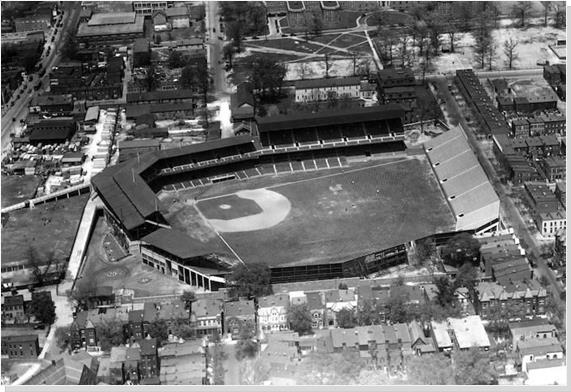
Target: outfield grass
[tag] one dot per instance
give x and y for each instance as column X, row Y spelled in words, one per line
column 49, row 229
column 16, row 189
column 338, row 215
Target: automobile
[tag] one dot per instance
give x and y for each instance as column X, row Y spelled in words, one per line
column 255, row 37
column 284, row 35
column 13, row 119
column 292, row 35
column 39, row 326
column 30, row 78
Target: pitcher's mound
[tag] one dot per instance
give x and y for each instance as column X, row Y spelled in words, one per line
column 269, row 209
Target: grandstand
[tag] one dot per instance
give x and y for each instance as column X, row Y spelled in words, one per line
column 279, row 144
column 471, row 197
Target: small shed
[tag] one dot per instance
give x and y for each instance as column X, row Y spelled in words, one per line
column 72, row 158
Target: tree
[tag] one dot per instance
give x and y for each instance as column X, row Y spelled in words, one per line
column 299, row 319
column 70, row 47
column 30, row 61
column 315, row 24
column 425, row 249
column 510, row 46
column 546, row 8
column 267, row 75
column 228, row 51
column 40, row 271
column 559, row 14
column 473, row 367
column 246, row 346
column 176, row 59
column 435, row 28
column 346, row 318
column 150, row 81
column 467, row 276
column 398, row 309
column 159, row 330
column 446, row 290
column 330, row 369
column 62, row 337
column 110, row 334
column 483, row 37
column 431, row 369
column 491, row 55
column 370, row 312
column 460, row 249
column 234, row 31
column 521, row 10
column 43, row 309
column 326, row 59
column 250, row 281
column 332, row 100
column 188, row 297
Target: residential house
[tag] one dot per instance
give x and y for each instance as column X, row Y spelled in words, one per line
column 197, row 13
column 52, row 104
column 206, row 316
column 149, row 362
column 173, row 313
column 160, row 21
column 551, row 145
column 534, row 146
column 148, row 7
column 554, row 123
column 344, row 339
column 391, row 77
column 317, row 310
column 183, row 363
column 560, row 192
column 555, row 168
column 441, row 336
column 242, row 103
column 531, row 329
column 311, row 90
column 82, row 331
column 469, row 332
column 75, row 369
column 272, row 312
column 421, row 339
column 178, row 17
column 520, row 127
column 534, row 349
column 139, row 320
column 21, row 347
column 493, row 297
column 550, row 223
column 336, row 300
column 131, row 365
column 141, row 52
column 281, row 350
column 547, row 372
column 13, row 309
column 541, row 197
column 237, row 314
column 372, row 345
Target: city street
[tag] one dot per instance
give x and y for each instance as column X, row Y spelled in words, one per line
column 20, row 109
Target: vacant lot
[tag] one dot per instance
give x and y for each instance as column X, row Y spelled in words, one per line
column 16, row 189
column 338, row 215
column 49, row 229
column 128, row 273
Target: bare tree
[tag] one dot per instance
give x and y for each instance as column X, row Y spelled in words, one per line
column 546, row 8
column 559, row 14
column 483, row 36
column 521, row 10
column 39, row 269
column 326, row 59
column 491, row 54
column 420, row 33
column 510, row 46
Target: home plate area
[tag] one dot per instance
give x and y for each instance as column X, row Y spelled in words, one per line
column 246, row 210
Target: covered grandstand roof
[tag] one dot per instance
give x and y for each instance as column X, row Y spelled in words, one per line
column 127, row 194
column 337, row 117
column 462, row 179
column 177, row 243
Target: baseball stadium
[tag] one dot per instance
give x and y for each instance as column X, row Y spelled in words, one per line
column 312, row 195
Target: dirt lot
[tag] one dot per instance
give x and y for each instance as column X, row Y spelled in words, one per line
column 128, row 273
column 337, row 215
column 16, row 189
column 49, row 228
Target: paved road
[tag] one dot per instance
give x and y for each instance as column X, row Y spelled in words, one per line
column 20, row 109
column 215, row 45
column 509, row 212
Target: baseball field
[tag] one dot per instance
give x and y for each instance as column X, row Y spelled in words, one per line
column 322, row 217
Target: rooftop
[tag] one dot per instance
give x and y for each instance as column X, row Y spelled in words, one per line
column 469, row 332
column 207, row 307
column 239, row 308
column 112, row 18
column 327, row 82
column 177, row 243
column 274, row 300
column 86, row 30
